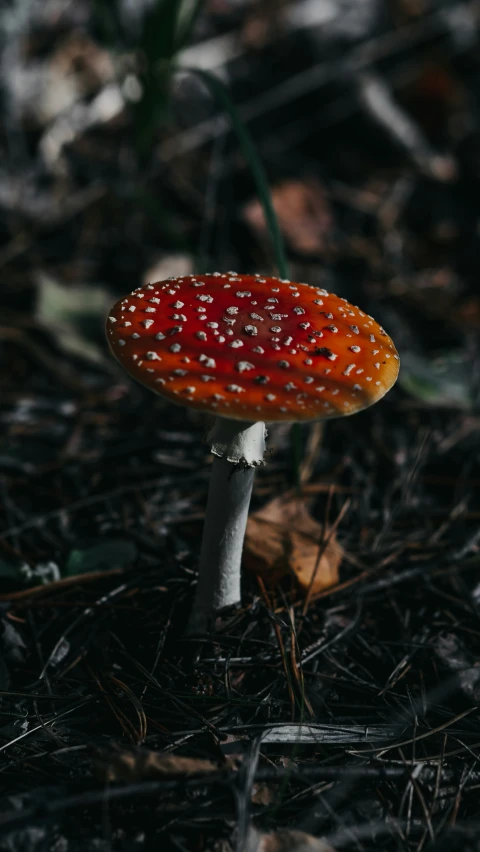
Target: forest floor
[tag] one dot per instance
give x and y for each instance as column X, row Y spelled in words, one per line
column 352, row 715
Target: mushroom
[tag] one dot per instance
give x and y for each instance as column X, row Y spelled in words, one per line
column 248, row 349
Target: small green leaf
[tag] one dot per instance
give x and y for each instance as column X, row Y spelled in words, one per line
column 442, row 381
column 9, row 571
column 4, row 675
column 75, row 316
column 110, row 553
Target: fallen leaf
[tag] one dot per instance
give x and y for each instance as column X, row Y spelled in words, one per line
column 142, row 764
column 167, row 266
column 283, row 538
column 288, row 840
column 261, row 795
column 303, row 213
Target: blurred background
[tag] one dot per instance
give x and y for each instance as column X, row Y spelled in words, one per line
column 115, row 170
column 118, row 167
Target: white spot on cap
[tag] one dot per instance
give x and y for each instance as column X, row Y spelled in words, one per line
column 308, row 361
column 175, row 347
column 258, row 350
column 147, row 323
column 202, row 297
column 152, row 356
column 201, row 335
column 160, row 381
column 252, row 330
column 270, row 397
column 298, row 310
column 176, row 304
column 150, row 310
column 290, row 386
column 159, row 336
column 112, row 319
column 355, row 329
column 121, row 343
column 232, row 310
column 354, row 348
column 245, row 365
column 304, row 325
column 283, row 364
column 256, row 317
column 135, row 336
column 212, row 324
column 349, row 369
column 154, row 300
column 235, row 344
column 234, row 389
column 207, row 362
column 132, row 308
column 308, row 380
column 179, row 372
column 242, row 294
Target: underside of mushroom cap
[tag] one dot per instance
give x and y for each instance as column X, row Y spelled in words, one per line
column 252, row 348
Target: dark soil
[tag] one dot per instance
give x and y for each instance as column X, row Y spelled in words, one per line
column 103, row 486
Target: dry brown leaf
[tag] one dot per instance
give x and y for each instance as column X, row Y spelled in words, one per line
column 283, row 538
column 286, row 841
column 261, row 795
column 303, row 212
column 142, row 764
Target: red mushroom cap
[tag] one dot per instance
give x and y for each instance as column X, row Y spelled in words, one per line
column 252, row 348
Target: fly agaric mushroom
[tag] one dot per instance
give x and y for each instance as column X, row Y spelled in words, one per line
column 248, row 349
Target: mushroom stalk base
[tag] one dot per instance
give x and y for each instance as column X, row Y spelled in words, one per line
column 229, row 495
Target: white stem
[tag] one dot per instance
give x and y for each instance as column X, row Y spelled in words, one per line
column 238, row 448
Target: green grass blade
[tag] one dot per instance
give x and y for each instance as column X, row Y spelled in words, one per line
column 220, row 93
